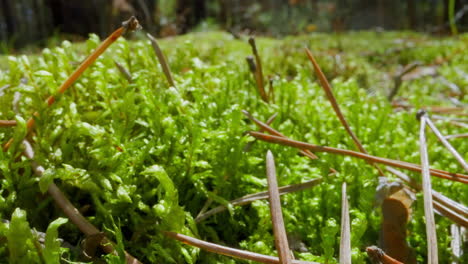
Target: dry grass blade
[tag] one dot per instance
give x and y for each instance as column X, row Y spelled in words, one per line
column 444, row 141
column 345, row 241
column 129, row 25
column 377, row 255
column 162, row 60
column 266, row 127
column 70, row 211
column 457, row 136
column 427, row 194
column 257, row 70
column 124, row 71
column 227, row 251
column 328, row 91
column 7, row 123
column 395, row 163
column 281, row 240
column 259, row 196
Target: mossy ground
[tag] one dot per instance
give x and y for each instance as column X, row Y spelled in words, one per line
column 139, row 157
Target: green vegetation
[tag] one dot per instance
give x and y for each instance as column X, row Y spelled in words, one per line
column 138, row 158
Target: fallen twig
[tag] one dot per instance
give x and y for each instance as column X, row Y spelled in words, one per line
column 70, row 211
column 259, row 196
column 162, row 60
column 272, row 131
column 328, row 91
column 129, row 25
column 227, row 251
column 400, row 164
column 281, row 240
column 345, row 240
column 427, row 193
column 444, row 141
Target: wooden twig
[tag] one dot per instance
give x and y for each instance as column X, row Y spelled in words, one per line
column 328, row 91
column 377, row 255
column 395, row 163
column 258, row 71
column 70, row 211
column 128, row 25
column 444, row 141
column 123, row 71
column 270, row 120
column 272, row 131
column 227, row 251
column 162, row 60
column 259, row 196
column 279, row 231
column 345, row 240
column 7, row 123
column 427, row 194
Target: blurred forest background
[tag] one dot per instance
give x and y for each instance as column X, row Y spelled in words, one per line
column 39, row 22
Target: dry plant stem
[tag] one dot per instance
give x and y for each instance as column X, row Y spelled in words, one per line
column 457, row 136
column 378, row 255
column 395, row 163
column 444, row 141
column 227, row 251
column 281, row 241
column 75, row 75
column 258, row 71
column 345, row 241
column 162, row 60
column 427, row 194
column 70, row 211
column 328, row 91
column 266, row 127
column 124, row 71
column 259, row 196
column 7, row 123
column 457, row 208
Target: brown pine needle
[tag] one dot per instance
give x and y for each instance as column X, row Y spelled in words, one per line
column 268, row 122
column 427, row 194
column 447, row 144
column 272, row 131
column 259, row 196
column 328, row 91
column 7, row 123
column 70, row 211
column 227, row 251
column 162, row 60
column 345, row 241
column 279, row 231
column 257, row 70
column 128, row 25
column 124, row 71
column 395, row 163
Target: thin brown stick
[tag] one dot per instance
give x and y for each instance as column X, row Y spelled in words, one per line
column 328, row 91
column 227, row 251
column 7, row 123
column 279, row 231
column 258, row 73
column 128, row 25
column 345, row 240
column 444, row 141
column 427, row 194
column 70, row 211
column 450, row 204
column 457, row 136
column 162, row 60
column 395, row 163
column 266, row 127
column 259, row 196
